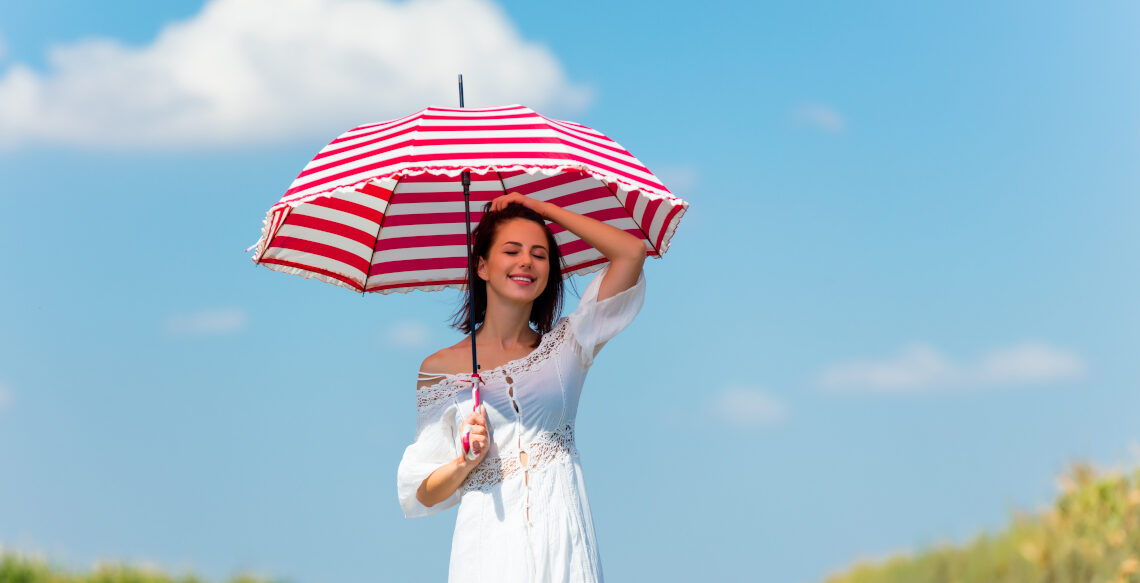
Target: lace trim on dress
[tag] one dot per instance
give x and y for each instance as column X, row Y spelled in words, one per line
column 547, row 346
column 548, row 447
column 450, row 383
column 445, row 390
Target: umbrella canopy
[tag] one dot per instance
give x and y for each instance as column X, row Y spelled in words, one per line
column 381, row 208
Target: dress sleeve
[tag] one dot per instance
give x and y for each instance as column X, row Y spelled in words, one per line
column 594, row 323
column 436, row 444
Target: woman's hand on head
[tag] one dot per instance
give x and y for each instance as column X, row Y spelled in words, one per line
column 512, row 197
column 480, row 434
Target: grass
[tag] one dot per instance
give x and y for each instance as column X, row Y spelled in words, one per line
column 1090, row 535
column 17, row 568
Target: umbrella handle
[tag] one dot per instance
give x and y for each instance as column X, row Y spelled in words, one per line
column 469, row 453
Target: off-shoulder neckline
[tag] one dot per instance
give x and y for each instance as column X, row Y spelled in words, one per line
column 509, row 364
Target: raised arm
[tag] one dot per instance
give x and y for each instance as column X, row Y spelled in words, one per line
column 625, row 252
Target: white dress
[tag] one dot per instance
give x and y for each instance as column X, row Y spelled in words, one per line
column 516, row 523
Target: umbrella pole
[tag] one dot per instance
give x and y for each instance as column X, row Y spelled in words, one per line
column 466, row 178
column 475, row 380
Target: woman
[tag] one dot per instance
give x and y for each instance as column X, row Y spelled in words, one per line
column 523, row 512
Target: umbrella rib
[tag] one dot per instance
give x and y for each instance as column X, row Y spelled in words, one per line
column 503, row 184
column 610, row 188
column 376, row 243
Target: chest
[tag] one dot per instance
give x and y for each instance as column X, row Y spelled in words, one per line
column 534, row 399
column 538, row 392
column 492, row 358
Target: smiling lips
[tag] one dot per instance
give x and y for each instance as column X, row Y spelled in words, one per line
column 523, row 278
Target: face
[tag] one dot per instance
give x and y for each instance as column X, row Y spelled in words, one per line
column 518, row 263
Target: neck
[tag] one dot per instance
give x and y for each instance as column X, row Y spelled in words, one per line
column 506, row 324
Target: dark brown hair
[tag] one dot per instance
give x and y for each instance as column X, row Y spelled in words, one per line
column 547, row 305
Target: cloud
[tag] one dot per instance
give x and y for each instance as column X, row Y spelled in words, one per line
column 1030, row 362
column 921, row 367
column 821, row 117
column 678, row 179
column 408, row 334
column 259, row 71
column 210, row 322
column 747, row 407
column 916, row 366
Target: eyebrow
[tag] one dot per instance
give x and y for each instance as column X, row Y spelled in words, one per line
column 543, row 247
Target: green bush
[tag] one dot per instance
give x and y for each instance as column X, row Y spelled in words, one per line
column 16, row 568
column 1091, row 535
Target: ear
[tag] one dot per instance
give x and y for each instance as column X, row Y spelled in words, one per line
column 481, row 269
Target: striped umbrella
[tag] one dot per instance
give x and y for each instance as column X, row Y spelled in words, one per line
column 381, row 208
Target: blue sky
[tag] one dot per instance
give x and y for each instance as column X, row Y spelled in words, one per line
column 903, row 300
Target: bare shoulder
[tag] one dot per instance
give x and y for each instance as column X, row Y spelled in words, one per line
column 454, row 359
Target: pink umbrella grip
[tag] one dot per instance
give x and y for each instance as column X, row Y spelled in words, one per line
column 471, row 455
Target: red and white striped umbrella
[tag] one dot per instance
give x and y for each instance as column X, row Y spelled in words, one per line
column 381, row 208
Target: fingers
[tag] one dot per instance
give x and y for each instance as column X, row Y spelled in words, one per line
column 480, row 433
column 502, row 201
column 499, row 202
column 477, row 418
column 480, row 443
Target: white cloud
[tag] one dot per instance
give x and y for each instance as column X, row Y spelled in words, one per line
column 916, row 366
column 821, row 117
column 1030, row 362
column 920, row 367
column 210, row 322
column 747, row 407
column 408, row 334
column 257, row 71
column 678, row 179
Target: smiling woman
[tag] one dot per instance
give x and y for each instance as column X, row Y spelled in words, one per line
column 523, row 495
column 500, row 241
